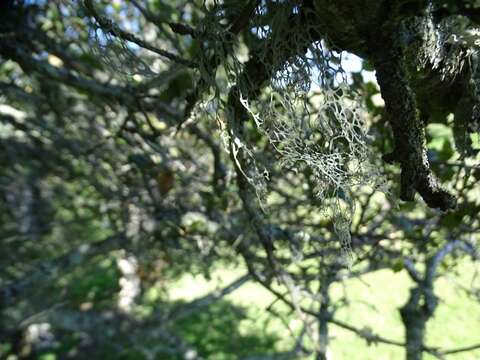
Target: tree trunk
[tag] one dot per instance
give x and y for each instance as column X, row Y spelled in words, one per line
column 415, row 314
column 323, row 320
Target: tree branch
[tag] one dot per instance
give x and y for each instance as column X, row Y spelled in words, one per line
column 112, row 28
column 409, row 133
column 42, row 272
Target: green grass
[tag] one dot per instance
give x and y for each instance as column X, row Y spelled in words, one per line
column 373, row 303
column 241, row 325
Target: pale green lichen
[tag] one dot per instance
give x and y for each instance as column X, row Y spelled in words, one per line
column 310, row 115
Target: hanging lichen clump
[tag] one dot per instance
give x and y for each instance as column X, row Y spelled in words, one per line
column 294, row 89
column 278, row 65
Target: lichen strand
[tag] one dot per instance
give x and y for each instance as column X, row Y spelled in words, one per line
column 328, row 135
column 442, row 58
column 408, row 130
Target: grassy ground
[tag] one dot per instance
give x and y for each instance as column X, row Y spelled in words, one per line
column 241, row 323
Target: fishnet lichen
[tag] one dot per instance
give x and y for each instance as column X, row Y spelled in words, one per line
column 116, row 55
column 447, row 45
column 307, row 110
column 451, row 47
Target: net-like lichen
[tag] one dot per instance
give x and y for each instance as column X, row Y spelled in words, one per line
column 306, row 108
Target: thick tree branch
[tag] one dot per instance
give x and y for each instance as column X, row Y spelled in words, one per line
column 409, row 133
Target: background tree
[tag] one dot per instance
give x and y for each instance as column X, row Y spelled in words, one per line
column 146, row 140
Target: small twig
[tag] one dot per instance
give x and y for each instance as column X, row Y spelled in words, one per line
column 461, row 349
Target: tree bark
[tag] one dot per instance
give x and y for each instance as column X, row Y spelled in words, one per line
column 408, row 130
column 324, row 315
column 414, row 319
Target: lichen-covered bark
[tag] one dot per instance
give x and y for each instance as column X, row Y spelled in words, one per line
column 408, row 129
column 373, row 30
